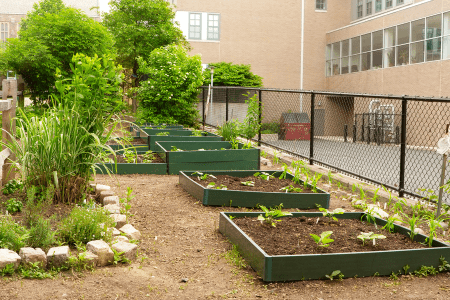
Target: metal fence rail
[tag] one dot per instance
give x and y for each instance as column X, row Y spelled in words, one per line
column 387, row 140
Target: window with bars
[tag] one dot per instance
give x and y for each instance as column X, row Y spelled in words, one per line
column 321, row 4
column 195, row 26
column 368, row 7
column 4, row 31
column 359, row 9
column 213, row 27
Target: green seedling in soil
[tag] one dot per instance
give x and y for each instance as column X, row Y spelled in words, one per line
column 405, row 269
column 161, row 127
column 362, row 194
column 13, row 205
column 129, row 156
column 413, row 222
column 433, row 225
column 127, row 202
column 375, row 196
column 197, row 133
column 8, row 270
column 175, row 149
column 367, row 236
column 322, row 241
column 330, row 214
column 336, row 273
column 443, row 265
column 264, row 175
column 148, row 157
column 389, row 202
column 165, row 133
column 119, row 257
column 339, row 185
column 306, row 181
column 247, row 145
column 275, row 158
column 285, row 171
column 424, row 271
column 203, row 176
column 370, row 216
column 330, row 177
column 398, row 206
column 428, row 194
column 263, row 154
column 271, row 216
column 314, row 181
column 248, row 183
column 291, row 189
column 234, row 143
column 390, row 223
column 12, row 186
column 212, row 185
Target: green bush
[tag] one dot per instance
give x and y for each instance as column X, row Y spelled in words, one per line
column 41, row 234
column 170, row 92
column 13, row 205
column 84, row 225
column 38, row 202
column 229, row 130
column 12, row 235
column 12, row 186
column 228, row 74
column 268, row 128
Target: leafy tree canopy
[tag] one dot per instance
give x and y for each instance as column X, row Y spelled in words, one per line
column 139, row 27
column 229, row 74
column 53, row 34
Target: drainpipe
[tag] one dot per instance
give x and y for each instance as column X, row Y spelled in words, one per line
column 302, row 41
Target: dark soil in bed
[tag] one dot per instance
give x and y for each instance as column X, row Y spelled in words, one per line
column 121, row 160
column 292, row 236
column 261, row 185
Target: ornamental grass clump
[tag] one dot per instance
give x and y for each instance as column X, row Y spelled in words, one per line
column 84, row 225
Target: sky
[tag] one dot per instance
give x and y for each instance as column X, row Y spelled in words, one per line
column 104, row 7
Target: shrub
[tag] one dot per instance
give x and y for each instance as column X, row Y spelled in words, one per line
column 268, row 128
column 229, row 130
column 38, row 202
column 41, row 234
column 12, row 186
column 13, row 205
column 12, row 235
column 84, row 225
column 228, row 74
column 170, row 92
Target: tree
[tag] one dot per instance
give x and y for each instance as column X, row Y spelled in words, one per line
column 170, row 92
column 228, row 74
column 139, row 27
column 51, row 37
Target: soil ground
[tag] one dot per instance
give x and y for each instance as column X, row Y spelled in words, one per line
column 183, row 256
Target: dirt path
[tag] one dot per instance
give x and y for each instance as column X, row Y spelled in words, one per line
column 181, row 243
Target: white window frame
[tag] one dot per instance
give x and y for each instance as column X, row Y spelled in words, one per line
column 208, row 27
column 321, row 4
column 195, row 26
column 4, row 31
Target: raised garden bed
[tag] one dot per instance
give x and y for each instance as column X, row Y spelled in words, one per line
column 152, row 139
column 156, row 167
column 181, row 131
column 137, row 142
column 315, row 266
column 193, row 158
column 251, row 197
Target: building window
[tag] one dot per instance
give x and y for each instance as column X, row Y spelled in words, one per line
column 368, row 7
column 195, row 26
column 4, row 32
column 359, row 9
column 388, row 4
column 213, row 27
column 399, row 2
column 345, row 60
column 378, row 5
column 446, row 37
column 356, row 56
column 321, row 4
column 434, row 25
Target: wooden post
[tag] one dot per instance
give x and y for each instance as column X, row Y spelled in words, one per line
column 9, row 124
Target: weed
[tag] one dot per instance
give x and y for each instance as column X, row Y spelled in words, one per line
column 8, row 270
column 12, row 235
column 233, row 257
column 275, row 158
column 119, row 257
column 330, row 177
column 424, row 271
column 41, row 234
column 405, row 269
column 126, row 202
column 263, row 154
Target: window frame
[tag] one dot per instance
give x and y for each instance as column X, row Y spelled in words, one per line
column 194, row 26
column 321, row 5
column 218, row 27
column 4, row 32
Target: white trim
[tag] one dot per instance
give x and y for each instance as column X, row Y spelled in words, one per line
column 203, row 41
column 380, row 14
column 321, row 11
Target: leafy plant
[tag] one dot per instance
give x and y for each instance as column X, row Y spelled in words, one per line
column 148, row 157
column 130, row 156
column 126, row 202
column 39, row 200
column 433, row 225
column 264, row 175
column 12, row 235
column 175, row 149
column 165, row 133
column 271, row 216
column 412, row 221
column 13, row 205
column 424, row 271
column 314, row 181
column 197, row 133
column 8, row 270
column 42, row 234
column 367, row 236
column 119, row 257
column 248, row 183
column 12, row 186
column 229, row 130
column 251, row 124
column 335, row 273
column 389, row 226
column 203, row 176
column 229, row 74
column 322, row 240
column 212, row 185
column 285, row 171
column 276, row 159
column 263, row 154
column 330, row 177
column 291, row 189
column 331, row 214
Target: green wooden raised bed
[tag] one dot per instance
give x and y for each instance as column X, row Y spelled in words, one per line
column 181, row 131
column 251, row 198
column 152, row 139
column 212, row 158
column 316, row 266
column 140, row 168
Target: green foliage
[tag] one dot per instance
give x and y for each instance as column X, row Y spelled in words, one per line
column 8, row 270
column 139, row 27
column 335, row 273
column 229, row 74
column 248, row 183
column 84, row 225
column 129, row 156
column 126, row 202
column 170, row 92
column 212, row 185
column 271, row 216
column 52, row 34
column 166, row 133
column 251, row 125
column 203, row 176
column 119, row 257
column 12, row 186
column 233, row 257
column 424, row 271
column 270, row 128
column 264, row 175
column 322, row 241
column 367, row 236
column 35, row 271
column 41, row 234
column 38, row 202
column 13, row 205
column 12, row 235
column 331, row 214
column 148, row 157
column 291, row 189
column 229, row 130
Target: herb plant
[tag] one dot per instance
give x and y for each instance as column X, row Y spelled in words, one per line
column 271, row 216
column 130, row 156
column 148, row 157
column 322, row 240
column 367, row 236
column 335, row 273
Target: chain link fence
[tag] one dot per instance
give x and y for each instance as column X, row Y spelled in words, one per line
column 386, row 140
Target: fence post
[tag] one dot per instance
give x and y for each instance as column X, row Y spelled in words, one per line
column 260, row 117
column 9, row 125
column 401, row 186
column 345, row 133
column 311, row 130
column 226, row 104
column 203, row 108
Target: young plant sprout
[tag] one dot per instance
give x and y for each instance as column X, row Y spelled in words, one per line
column 165, row 133
column 202, row 176
column 375, row 196
column 129, row 156
column 433, row 224
column 390, row 223
column 212, row 185
column 264, row 175
column 412, row 222
column 322, row 240
column 285, row 171
column 330, row 177
column 248, row 183
column 367, row 236
column 335, row 273
column 271, row 216
column 330, row 214
column 234, row 143
column 291, row 189
column 197, row 133
column 314, row 181
column 148, row 157
column 175, row 149
column 276, row 159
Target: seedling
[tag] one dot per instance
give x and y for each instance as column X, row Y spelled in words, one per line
column 234, row 144
column 390, row 223
column 13, row 205
column 263, row 153
column 291, row 189
column 247, row 145
column 160, row 127
column 165, row 133
column 197, row 133
column 175, row 149
column 330, row 177
column 212, row 185
column 129, row 156
column 12, row 186
column 375, row 196
column 433, row 225
column 412, row 222
column 314, row 181
column 367, row 236
column 285, row 171
column 335, row 273
column 271, row 215
column 322, row 240
column 248, row 183
column 330, row 214
column 148, row 157
column 276, row 159
column 264, row 175
column 203, row 176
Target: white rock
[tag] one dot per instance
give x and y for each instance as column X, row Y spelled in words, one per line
column 128, row 249
column 130, row 232
column 110, row 200
column 376, row 211
column 31, row 255
column 101, row 187
column 112, row 208
column 102, row 250
column 8, row 257
column 419, row 230
column 120, row 238
column 358, row 202
column 103, row 194
column 57, row 256
column 90, row 258
column 119, row 219
column 114, row 231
